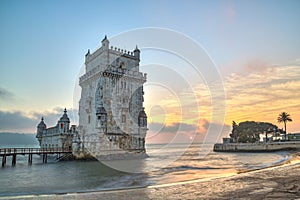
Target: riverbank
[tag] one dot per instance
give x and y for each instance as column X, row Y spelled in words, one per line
column 279, row 182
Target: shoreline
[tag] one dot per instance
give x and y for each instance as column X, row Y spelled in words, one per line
column 276, row 181
column 257, row 147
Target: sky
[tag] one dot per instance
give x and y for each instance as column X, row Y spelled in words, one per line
column 255, row 46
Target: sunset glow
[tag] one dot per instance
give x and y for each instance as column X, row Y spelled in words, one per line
column 257, row 57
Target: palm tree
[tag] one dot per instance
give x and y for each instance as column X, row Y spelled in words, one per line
column 284, row 117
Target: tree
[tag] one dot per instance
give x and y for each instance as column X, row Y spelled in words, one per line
column 234, row 133
column 249, row 131
column 284, row 117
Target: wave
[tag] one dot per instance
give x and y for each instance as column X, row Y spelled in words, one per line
column 187, row 167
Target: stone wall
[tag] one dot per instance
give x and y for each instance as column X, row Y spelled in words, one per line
column 256, row 147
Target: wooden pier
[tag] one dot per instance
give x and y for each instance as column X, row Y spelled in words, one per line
column 31, row 151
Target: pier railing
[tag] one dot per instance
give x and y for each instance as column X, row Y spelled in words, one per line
column 23, row 151
column 4, row 152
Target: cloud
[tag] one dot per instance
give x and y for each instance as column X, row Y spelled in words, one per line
column 263, row 92
column 18, row 121
column 173, row 128
column 15, row 121
column 173, row 133
column 256, row 66
column 51, row 117
column 214, row 132
column 6, row 95
column 184, row 133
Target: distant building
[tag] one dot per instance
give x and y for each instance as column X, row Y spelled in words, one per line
column 293, row 136
column 112, row 119
column 227, row 140
column 59, row 136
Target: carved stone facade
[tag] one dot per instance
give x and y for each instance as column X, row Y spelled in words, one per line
column 59, row 136
column 112, row 119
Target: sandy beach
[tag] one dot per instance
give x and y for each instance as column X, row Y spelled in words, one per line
column 277, row 182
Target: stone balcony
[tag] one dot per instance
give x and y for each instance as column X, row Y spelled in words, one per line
column 111, row 70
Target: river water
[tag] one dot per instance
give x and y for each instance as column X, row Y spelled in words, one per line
column 165, row 164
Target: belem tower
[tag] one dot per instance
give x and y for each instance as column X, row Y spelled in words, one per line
column 112, row 120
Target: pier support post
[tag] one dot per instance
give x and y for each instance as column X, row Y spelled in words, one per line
column 3, row 160
column 14, row 160
column 45, row 158
column 30, row 159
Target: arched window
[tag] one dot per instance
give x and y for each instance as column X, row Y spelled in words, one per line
column 123, row 118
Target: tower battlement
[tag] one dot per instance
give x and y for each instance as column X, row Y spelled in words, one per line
column 89, row 57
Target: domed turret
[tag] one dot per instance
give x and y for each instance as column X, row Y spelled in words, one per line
column 64, row 122
column 65, row 117
column 40, row 129
column 142, row 121
column 42, row 124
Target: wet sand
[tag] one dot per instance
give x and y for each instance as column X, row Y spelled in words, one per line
column 280, row 182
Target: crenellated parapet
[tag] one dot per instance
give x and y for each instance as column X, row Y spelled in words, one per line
column 119, row 51
column 135, row 54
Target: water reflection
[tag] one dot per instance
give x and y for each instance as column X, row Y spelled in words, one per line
column 158, row 169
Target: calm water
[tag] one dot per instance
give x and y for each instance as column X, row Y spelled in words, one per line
column 166, row 164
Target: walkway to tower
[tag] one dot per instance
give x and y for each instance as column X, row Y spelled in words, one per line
column 60, row 152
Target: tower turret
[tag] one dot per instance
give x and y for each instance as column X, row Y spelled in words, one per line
column 105, row 42
column 137, row 52
column 40, row 130
column 142, row 120
column 64, row 123
column 88, row 53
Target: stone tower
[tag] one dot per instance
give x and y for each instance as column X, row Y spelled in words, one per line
column 112, row 120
